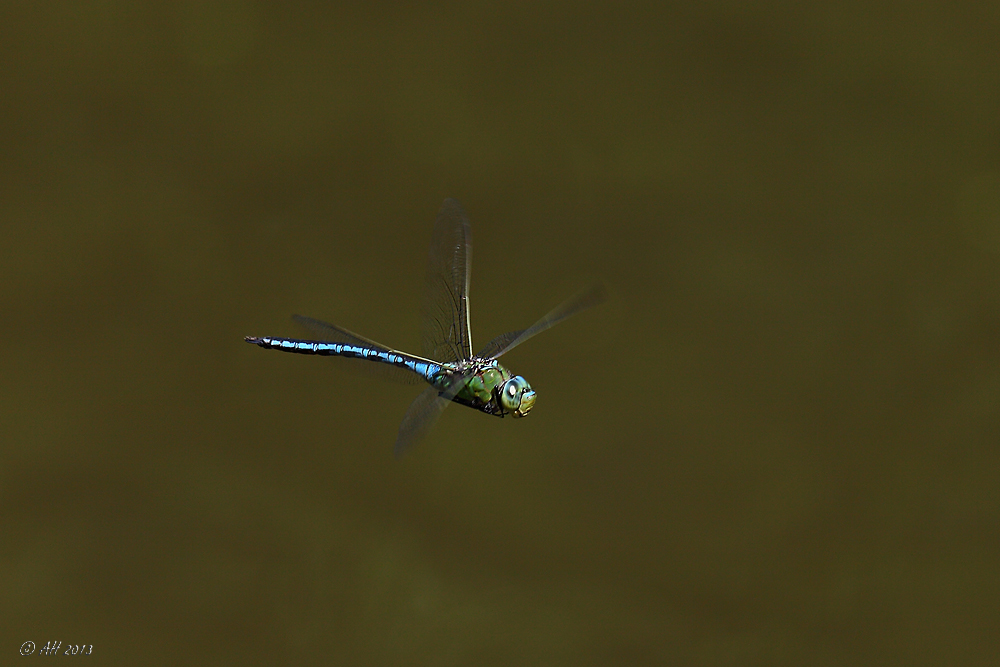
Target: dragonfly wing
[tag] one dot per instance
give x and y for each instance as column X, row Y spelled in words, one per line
column 446, row 334
column 331, row 333
column 508, row 341
column 421, row 415
column 494, row 347
column 423, row 412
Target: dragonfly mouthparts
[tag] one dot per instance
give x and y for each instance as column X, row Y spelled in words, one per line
column 527, row 402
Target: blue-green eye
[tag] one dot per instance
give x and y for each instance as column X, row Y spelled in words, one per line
column 512, row 393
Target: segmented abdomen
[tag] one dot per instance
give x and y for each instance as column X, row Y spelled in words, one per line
column 422, row 368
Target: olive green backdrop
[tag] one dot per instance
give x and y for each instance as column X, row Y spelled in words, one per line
column 777, row 443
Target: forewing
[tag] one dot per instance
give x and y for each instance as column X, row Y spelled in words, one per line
column 446, row 334
column 494, row 347
column 508, row 341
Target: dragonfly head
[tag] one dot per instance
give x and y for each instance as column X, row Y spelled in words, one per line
column 517, row 396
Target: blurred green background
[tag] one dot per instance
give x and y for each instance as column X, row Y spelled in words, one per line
column 776, row 445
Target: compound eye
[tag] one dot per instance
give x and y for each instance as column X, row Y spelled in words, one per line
column 510, row 395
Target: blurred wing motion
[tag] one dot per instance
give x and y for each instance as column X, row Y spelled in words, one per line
column 446, row 334
column 422, row 414
column 508, row 341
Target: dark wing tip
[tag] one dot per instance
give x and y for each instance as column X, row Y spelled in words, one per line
column 452, row 205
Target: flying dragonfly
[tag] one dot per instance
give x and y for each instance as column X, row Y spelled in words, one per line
column 455, row 374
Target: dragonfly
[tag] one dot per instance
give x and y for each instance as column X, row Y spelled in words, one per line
column 454, row 373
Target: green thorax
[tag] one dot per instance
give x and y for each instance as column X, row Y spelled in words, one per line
column 483, row 377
